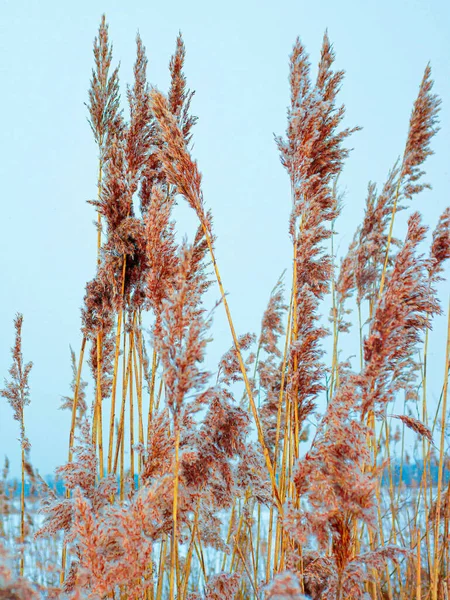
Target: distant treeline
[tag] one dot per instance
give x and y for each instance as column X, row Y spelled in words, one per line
column 410, row 474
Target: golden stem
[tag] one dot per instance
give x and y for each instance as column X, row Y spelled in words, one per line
column 152, row 393
column 391, row 228
column 113, row 392
column 187, row 567
column 162, row 557
column 22, row 507
column 130, row 381
column 71, row 440
column 127, row 374
column 174, row 514
column 441, row 466
column 418, row 569
column 244, row 372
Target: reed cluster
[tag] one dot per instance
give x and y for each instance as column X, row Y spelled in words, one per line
column 274, row 477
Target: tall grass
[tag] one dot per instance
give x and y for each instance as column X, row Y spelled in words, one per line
column 274, row 477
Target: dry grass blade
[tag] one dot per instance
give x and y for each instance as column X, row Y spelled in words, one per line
column 415, row 425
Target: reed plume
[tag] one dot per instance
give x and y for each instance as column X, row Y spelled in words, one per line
column 401, row 318
column 104, row 94
column 17, row 393
column 313, row 155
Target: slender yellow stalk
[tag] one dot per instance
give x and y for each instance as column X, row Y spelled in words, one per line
column 239, row 528
column 334, row 365
column 294, row 339
column 426, row 454
column 152, row 393
column 113, row 391
column 130, row 381
column 278, row 546
column 391, row 482
column 250, row 540
column 247, row 570
column 75, row 399
column 286, row 450
column 418, row 568
column 97, row 432
column 282, row 472
column 201, row 557
column 258, row 540
column 283, row 375
column 230, row 528
column 120, row 434
column 99, row 193
column 244, row 372
column 121, row 444
column 174, row 515
column 269, row 545
column 436, row 562
column 97, row 429
column 138, row 356
column 388, row 244
column 158, row 398
column 138, row 384
column 187, row 566
column 22, row 509
column 162, row 560
column 71, row 441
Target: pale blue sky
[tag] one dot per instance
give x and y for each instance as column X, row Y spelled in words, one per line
column 237, row 61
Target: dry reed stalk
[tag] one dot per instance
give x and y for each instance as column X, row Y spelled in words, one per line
column 425, row 447
column 17, row 393
column 247, row 570
column 418, row 566
column 389, row 240
column 258, row 540
column 138, row 386
column 277, row 434
column 75, row 399
column 229, row 532
column 152, row 391
column 293, row 340
column 239, row 529
column 428, row 499
column 130, row 382
column 187, row 568
column 269, row 546
column 201, row 558
column 162, row 558
column 104, row 110
column 71, row 441
column 436, row 562
column 173, row 550
column 113, row 390
column 97, row 428
column 244, row 373
column 287, row 343
column 22, row 510
column 337, row 307
column 158, row 397
column 121, row 443
column 126, row 370
column 97, row 432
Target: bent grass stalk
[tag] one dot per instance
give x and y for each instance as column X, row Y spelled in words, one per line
column 244, row 372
